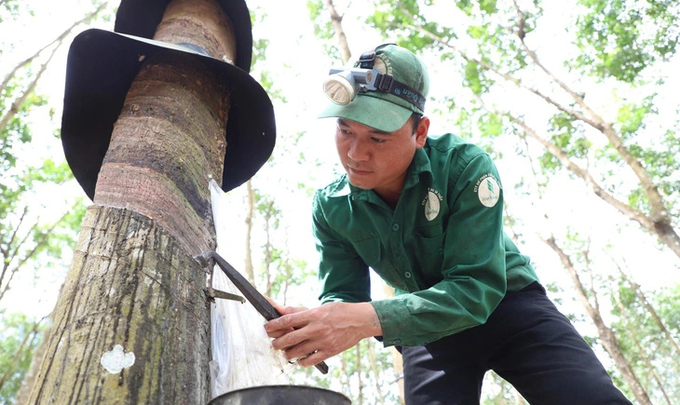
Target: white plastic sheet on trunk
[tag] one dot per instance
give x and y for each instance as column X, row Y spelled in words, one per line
column 242, row 352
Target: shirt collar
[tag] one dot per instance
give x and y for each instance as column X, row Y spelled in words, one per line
column 341, row 187
column 419, row 165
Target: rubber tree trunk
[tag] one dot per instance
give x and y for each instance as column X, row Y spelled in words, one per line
column 131, row 325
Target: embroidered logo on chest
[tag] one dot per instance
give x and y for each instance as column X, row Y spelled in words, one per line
column 488, row 190
column 432, row 204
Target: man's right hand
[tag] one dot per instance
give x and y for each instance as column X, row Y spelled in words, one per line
column 313, row 335
column 283, row 311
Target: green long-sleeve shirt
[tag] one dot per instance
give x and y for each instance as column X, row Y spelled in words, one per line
column 442, row 248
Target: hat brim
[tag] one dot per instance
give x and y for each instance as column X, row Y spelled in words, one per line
column 141, row 18
column 100, row 68
column 371, row 111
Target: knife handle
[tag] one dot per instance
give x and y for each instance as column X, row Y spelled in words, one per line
column 323, row 367
column 260, row 303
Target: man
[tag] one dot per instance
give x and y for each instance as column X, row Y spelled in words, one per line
column 426, row 214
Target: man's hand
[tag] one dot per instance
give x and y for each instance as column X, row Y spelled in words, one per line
column 322, row 332
column 283, row 311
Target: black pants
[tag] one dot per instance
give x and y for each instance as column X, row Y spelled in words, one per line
column 528, row 342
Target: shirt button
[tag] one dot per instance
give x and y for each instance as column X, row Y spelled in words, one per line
column 397, row 341
column 407, row 274
column 395, row 227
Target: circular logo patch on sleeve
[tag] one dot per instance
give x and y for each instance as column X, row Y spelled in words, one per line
column 488, row 190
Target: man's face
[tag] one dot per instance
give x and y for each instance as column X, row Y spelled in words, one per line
column 378, row 160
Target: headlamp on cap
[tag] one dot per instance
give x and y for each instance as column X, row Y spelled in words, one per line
column 343, row 85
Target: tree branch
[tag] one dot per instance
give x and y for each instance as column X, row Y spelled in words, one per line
column 7, row 255
column 567, row 263
column 38, row 245
column 641, row 296
column 638, row 346
column 58, row 39
column 27, row 342
column 583, row 174
column 659, row 212
column 607, row 336
column 668, row 235
column 12, row 273
column 586, row 259
column 660, row 221
column 336, row 22
column 19, row 101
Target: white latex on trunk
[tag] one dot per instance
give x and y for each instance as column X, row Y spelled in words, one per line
column 241, row 350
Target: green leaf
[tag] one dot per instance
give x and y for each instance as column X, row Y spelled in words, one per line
column 631, row 117
column 19, row 337
column 622, row 38
column 490, row 125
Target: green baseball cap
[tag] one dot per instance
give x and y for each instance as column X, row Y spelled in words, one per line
column 379, row 109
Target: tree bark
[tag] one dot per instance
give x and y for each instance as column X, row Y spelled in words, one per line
column 131, row 284
column 132, row 322
column 170, row 137
column 160, row 158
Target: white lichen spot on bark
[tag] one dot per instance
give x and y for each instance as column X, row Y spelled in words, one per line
column 116, row 360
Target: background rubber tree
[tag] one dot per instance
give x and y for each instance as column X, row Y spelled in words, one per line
column 487, row 46
column 574, row 252
column 649, row 336
column 617, row 48
column 34, row 246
